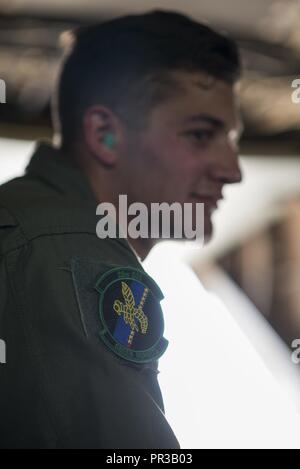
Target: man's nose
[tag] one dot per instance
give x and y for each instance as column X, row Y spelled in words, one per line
column 227, row 168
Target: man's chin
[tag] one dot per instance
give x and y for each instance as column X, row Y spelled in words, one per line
column 206, row 237
column 208, row 231
column 203, row 238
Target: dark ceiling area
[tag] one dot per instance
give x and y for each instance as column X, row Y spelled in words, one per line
column 30, row 54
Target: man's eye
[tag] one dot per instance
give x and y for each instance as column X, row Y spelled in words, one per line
column 201, row 136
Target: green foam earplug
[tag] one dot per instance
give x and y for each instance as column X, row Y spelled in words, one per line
column 109, row 140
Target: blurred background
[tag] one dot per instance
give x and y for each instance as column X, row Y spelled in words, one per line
column 232, row 309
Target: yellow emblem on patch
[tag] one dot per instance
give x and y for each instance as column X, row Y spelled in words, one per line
column 131, row 320
column 130, row 311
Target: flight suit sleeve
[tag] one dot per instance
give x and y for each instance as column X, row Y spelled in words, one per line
column 61, row 386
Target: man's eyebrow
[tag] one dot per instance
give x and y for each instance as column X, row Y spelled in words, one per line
column 214, row 121
column 207, row 119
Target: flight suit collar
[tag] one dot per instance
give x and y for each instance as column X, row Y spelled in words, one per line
column 49, row 164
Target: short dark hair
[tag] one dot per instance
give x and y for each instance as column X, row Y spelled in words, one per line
column 126, row 64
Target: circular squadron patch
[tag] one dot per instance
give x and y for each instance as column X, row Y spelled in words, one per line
column 131, row 318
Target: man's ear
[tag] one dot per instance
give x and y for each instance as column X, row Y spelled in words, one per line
column 101, row 131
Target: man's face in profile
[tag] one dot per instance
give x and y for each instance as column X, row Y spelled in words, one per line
column 189, row 151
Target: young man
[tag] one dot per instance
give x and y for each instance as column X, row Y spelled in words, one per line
column 146, row 106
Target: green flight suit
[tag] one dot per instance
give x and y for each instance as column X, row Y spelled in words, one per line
column 61, row 386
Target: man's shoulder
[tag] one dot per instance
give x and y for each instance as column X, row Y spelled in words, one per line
column 30, row 210
column 22, row 203
column 12, row 194
column 23, row 188
column 24, row 194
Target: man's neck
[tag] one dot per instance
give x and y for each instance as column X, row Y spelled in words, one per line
column 104, row 191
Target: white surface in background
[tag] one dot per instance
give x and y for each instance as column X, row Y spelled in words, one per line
column 14, row 157
column 217, row 389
